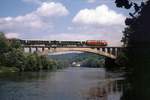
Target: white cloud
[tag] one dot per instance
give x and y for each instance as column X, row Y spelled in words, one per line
column 12, row 35
column 101, row 16
column 102, row 23
column 38, row 19
column 52, row 9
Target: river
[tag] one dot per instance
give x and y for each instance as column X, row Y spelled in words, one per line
column 72, row 83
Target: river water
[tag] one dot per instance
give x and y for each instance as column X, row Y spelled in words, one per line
column 73, row 83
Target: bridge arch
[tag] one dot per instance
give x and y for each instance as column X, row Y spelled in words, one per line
column 88, row 50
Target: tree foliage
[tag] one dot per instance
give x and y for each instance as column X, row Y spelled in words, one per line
column 136, row 39
column 12, row 55
column 3, row 44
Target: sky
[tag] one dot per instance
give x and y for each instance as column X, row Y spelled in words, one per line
column 63, row 20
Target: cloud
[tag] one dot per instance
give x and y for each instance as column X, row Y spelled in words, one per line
column 52, row 9
column 101, row 23
column 12, row 35
column 41, row 18
column 101, row 16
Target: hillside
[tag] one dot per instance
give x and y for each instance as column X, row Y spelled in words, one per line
column 84, row 59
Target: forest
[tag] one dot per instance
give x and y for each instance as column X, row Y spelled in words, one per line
column 14, row 59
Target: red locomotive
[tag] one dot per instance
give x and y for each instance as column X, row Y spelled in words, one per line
column 96, row 43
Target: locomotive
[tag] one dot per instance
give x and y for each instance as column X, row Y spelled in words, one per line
column 63, row 43
column 96, row 43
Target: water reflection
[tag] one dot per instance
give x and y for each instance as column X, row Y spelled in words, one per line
column 25, row 76
column 111, row 89
column 67, row 84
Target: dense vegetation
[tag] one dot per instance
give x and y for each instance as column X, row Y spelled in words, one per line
column 90, row 60
column 136, row 57
column 13, row 58
column 84, row 59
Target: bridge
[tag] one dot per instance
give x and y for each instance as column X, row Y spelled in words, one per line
column 45, row 47
column 111, row 52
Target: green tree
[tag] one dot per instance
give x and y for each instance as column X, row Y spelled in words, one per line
column 137, row 41
column 15, row 58
column 4, row 47
column 31, row 64
column 15, row 43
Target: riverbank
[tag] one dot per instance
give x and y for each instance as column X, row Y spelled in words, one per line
column 8, row 69
column 5, row 69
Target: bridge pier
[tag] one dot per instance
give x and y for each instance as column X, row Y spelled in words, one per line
column 36, row 49
column 118, row 51
column 48, row 48
column 103, row 49
column 30, row 50
column 108, row 50
column 114, row 52
column 98, row 49
column 43, row 49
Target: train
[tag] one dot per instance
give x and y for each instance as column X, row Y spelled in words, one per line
column 96, row 43
column 62, row 43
